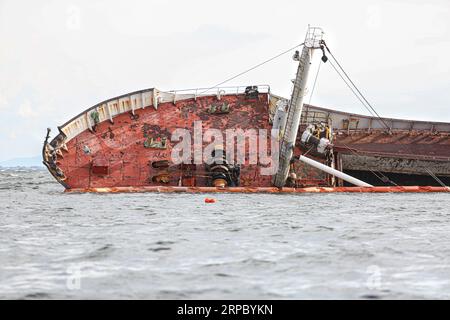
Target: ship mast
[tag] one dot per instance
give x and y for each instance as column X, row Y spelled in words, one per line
column 312, row 42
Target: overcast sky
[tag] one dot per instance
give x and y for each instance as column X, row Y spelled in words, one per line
column 58, row 58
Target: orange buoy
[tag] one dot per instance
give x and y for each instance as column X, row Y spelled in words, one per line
column 210, row 200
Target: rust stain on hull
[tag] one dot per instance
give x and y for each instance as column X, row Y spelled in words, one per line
column 416, row 145
column 122, row 153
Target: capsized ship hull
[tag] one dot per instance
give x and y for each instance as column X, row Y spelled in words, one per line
column 408, row 153
column 126, row 143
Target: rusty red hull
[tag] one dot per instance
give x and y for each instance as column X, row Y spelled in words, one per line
column 411, row 145
column 118, row 155
column 124, row 144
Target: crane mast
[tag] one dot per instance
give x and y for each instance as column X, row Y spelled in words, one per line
column 289, row 132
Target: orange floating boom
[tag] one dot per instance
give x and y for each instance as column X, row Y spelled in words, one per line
column 394, row 189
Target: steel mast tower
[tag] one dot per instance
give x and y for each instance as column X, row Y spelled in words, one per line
column 289, row 132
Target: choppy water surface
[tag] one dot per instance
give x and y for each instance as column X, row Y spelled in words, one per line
column 56, row 245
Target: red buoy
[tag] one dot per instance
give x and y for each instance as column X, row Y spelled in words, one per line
column 210, row 200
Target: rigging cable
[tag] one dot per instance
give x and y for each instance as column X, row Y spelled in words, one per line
column 351, row 89
column 382, row 177
column 435, row 177
column 345, row 73
column 367, row 103
column 254, row 67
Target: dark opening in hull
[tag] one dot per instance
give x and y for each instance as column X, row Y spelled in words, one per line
column 399, row 178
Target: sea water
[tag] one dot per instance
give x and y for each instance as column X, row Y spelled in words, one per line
column 255, row 246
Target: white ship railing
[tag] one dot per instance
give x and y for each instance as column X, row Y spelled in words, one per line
column 198, row 92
